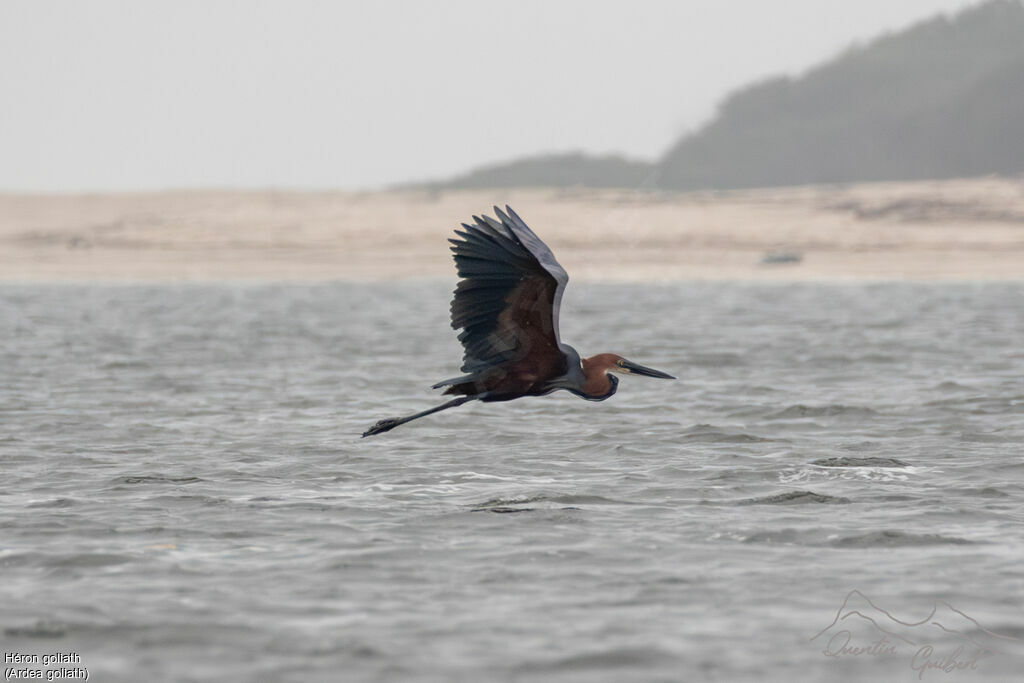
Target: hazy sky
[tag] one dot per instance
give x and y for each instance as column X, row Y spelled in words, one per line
column 138, row 94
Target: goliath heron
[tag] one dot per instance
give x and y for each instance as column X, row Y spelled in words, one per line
column 507, row 307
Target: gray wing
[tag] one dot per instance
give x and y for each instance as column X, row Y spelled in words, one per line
column 508, row 299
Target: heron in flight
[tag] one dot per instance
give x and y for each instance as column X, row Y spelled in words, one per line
column 506, row 304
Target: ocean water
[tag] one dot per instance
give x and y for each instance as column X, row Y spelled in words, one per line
column 833, row 489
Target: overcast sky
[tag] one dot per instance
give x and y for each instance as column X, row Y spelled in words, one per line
column 137, row 94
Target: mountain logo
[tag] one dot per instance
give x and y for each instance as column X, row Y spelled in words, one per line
column 945, row 640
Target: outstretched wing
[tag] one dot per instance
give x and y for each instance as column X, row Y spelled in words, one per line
column 508, row 298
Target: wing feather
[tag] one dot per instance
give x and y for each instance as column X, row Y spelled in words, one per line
column 508, row 298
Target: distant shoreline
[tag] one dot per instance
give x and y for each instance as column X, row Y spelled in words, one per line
column 956, row 230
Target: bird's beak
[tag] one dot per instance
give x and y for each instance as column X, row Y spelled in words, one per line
column 634, row 369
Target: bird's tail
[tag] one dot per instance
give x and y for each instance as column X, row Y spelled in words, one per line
column 465, row 385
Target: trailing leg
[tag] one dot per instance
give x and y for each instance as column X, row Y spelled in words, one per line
column 392, row 422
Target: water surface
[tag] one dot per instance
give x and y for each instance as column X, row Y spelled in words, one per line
column 186, row 496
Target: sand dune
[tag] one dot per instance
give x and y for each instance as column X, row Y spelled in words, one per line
column 948, row 230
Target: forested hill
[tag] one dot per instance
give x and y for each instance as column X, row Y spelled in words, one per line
column 941, row 99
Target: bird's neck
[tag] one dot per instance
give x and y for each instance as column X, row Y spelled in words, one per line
column 597, row 382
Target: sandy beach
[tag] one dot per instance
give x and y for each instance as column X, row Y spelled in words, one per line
column 943, row 230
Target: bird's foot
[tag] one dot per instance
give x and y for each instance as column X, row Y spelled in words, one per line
column 382, row 426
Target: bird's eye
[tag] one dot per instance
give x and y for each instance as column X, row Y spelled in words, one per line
column 621, row 364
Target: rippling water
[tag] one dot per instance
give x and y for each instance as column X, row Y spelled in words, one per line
column 185, row 496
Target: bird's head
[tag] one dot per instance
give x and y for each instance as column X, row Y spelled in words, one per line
column 612, row 362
